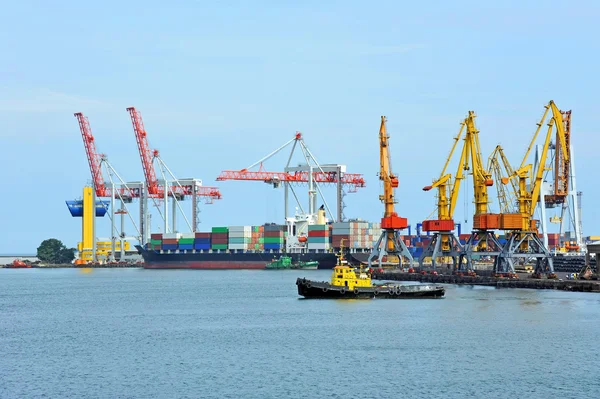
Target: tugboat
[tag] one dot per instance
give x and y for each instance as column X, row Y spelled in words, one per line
column 346, row 284
column 285, row 262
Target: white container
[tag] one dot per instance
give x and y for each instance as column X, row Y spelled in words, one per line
column 172, row 235
column 319, row 246
column 187, row 235
column 237, row 246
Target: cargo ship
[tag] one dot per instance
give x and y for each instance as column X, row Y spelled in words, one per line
column 252, row 247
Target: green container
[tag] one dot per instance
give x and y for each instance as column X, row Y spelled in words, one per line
column 155, row 242
column 261, row 240
column 220, row 230
column 239, row 240
column 273, row 240
column 218, row 246
column 256, row 229
column 186, row 241
column 318, row 240
column 318, row 227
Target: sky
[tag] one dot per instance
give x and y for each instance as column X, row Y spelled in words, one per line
column 220, row 84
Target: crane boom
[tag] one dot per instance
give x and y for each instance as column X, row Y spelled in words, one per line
column 146, row 154
column 390, row 182
column 506, row 199
column 481, row 177
column 94, row 159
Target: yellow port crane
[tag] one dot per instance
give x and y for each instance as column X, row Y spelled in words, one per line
column 389, row 242
column 523, row 241
column 482, row 239
column 443, row 242
column 506, row 198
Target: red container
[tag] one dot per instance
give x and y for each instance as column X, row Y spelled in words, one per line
column 170, row 241
column 156, row 236
column 202, row 235
column 219, row 240
column 273, row 234
column 318, row 233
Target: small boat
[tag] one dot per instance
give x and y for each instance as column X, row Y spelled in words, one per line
column 345, row 283
column 285, row 262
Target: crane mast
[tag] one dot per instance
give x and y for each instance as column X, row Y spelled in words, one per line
column 389, row 243
column 523, row 241
column 444, row 243
column 482, row 238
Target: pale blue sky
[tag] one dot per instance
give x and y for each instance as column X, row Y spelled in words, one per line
column 221, row 84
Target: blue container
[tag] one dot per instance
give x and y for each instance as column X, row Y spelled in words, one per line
column 169, row 247
column 272, row 246
column 201, row 246
column 202, row 241
column 76, row 208
column 185, row 246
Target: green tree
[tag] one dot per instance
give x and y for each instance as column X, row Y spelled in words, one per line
column 55, row 252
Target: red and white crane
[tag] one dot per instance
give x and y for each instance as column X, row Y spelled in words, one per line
column 125, row 192
column 312, row 173
column 168, row 187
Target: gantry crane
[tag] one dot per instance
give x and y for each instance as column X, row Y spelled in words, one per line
column 443, row 242
column 389, row 243
column 312, row 173
column 482, row 240
column 172, row 187
column 523, row 241
column 125, row 192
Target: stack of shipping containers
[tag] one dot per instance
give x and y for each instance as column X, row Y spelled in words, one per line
column 170, row 241
column 219, row 237
column 239, row 237
column 257, row 242
column 202, row 241
column 318, row 238
column 186, row 241
column 356, row 235
column 273, row 237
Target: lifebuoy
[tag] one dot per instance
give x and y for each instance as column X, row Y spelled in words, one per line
column 398, row 290
column 343, row 290
column 356, row 291
column 325, row 289
column 308, row 284
column 391, row 291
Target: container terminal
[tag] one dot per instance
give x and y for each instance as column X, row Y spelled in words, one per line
column 510, row 232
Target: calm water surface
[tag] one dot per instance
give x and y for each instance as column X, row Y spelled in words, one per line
column 246, row 334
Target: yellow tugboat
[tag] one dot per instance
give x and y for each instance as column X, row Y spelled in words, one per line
column 345, row 283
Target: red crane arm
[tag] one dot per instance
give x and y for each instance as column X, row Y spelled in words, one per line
column 146, row 154
column 92, row 155
column 354, row 179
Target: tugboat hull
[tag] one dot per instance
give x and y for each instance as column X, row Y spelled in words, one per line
column 322, row 289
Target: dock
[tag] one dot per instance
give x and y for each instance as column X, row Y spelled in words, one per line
column 524, row 281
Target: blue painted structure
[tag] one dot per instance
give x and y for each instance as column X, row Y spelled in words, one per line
column 76, row 208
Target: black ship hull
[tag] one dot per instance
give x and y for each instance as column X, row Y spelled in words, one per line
column 227, row 260
column 322, row 289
